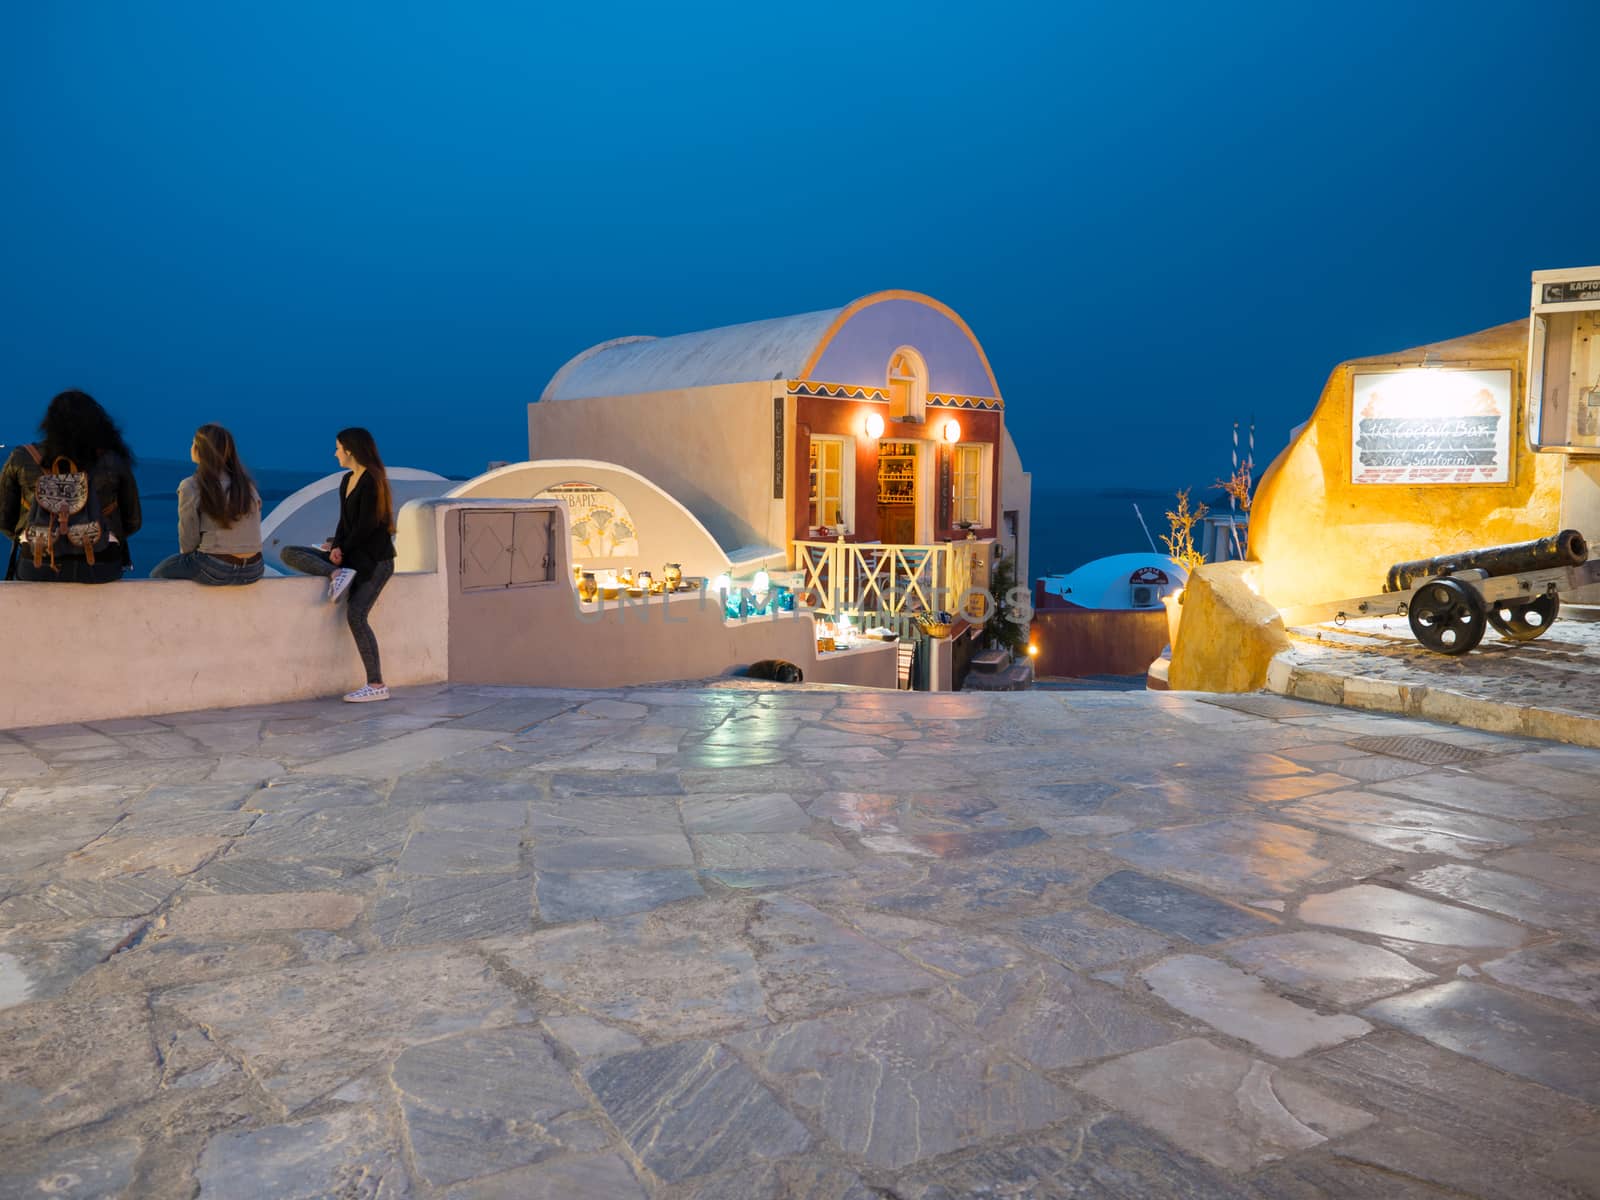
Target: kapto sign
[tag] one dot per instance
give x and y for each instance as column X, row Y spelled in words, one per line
column 1575, row 291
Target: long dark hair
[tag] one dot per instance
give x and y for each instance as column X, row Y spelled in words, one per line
column 219, row 457
column 359, row 445
column 76, row 426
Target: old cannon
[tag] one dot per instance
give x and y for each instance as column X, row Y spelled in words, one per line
column 1566, row 549
column 1448, row 613
column 1450, row 599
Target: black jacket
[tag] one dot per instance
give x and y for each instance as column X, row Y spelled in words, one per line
column 362, row 536
column 113, row 484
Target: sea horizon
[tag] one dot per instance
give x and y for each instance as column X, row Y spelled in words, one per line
column 1070, row 526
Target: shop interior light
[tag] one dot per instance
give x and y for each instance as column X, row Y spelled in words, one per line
column 952, row 430
column 722, row 583
column 874, row 425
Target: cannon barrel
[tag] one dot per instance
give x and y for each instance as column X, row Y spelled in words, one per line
column 1566, row 549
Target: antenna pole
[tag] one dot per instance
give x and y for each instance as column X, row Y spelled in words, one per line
column 1146, row 528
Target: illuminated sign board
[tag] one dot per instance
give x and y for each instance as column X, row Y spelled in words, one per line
column 1430, row 425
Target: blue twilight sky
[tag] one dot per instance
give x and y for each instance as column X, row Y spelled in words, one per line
column 1157, row 218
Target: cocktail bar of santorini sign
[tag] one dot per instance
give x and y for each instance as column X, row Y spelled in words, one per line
column 1423, row 425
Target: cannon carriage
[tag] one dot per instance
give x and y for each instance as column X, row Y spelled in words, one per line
column 1451, row 600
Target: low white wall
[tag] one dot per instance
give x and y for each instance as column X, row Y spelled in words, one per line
column 74, row 652
column 545, row 637
column 147, row 646
column 540, row 635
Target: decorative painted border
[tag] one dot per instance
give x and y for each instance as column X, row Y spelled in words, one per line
column 837, row 391
column 844, row 391
column 936, row 400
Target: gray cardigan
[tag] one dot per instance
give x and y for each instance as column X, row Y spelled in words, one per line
column 197, row 531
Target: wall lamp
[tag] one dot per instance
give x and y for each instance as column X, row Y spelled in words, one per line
column 874, row 425
column 952, row 430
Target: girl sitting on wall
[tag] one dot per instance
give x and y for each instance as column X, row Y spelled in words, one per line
column 219, row 517
column 75, row 429
column 359, row 557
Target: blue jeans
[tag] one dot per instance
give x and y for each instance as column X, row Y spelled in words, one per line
column 207, row 569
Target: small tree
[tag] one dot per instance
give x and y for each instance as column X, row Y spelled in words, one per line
column 1003, row 628
column 1238, row 487
column 1180, row 542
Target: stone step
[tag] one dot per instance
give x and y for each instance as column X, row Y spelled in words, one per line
column 990, row 662
column 1018, row 677
column 1155, row 678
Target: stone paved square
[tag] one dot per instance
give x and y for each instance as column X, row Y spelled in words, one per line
column 715, row 942
column 1231, row 1109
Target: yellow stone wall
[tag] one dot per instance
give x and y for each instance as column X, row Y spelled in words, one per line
column 1318, row 537
column 1227, row 634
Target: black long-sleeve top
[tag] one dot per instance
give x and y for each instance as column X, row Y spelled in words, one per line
column 362, row 536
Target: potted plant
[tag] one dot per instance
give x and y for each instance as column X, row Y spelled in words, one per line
column 1004, row 628
column 1181, row 549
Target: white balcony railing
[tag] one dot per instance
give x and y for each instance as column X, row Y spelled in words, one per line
column 890, row 579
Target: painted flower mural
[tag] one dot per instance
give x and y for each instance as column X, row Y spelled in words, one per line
column 598, row 524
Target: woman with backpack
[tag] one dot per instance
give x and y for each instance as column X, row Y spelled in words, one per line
column 219, row 517
column 359, row 557
column 69, row 502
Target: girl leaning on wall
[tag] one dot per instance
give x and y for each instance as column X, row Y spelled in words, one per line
column 359, row 557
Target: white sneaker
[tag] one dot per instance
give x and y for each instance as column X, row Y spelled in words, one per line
column 366, row 695
column 339, row 583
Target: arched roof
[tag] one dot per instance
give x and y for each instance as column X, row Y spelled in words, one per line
column 849, row 345
column 1104, row 582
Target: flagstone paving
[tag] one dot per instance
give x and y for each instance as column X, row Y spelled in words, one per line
column 715, row 942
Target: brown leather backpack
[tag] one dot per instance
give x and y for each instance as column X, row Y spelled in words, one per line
column 65, row 505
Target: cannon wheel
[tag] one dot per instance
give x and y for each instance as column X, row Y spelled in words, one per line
column 1524, row 620
column 1447, row 615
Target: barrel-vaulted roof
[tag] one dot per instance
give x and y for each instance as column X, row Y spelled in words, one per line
column 850, row 345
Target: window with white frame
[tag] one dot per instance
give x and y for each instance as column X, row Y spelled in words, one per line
column 968, row 483
column 908, row 385
column 830, row 457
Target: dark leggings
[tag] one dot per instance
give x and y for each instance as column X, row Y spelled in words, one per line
column 363, row 594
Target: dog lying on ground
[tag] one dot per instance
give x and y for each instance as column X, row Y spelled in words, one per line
column 775, row 669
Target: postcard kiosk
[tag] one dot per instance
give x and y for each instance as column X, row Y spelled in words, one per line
column 1564, row 391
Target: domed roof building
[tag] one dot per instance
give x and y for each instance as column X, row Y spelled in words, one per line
column 880, row 421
